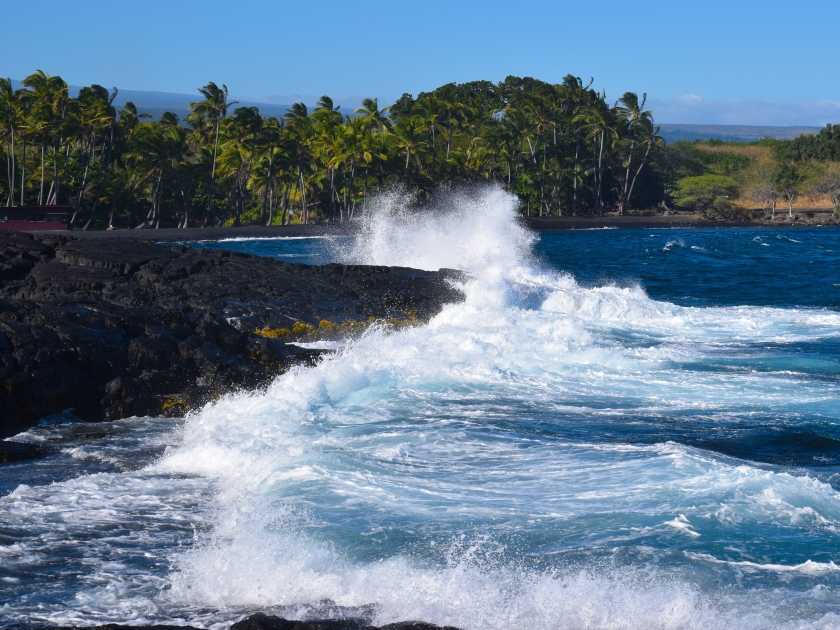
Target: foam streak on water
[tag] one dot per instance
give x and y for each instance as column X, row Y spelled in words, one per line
column 542, row 455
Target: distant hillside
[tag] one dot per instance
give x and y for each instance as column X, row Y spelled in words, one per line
column 156, row 103
column 740, row 133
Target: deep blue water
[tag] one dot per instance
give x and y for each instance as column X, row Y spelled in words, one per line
column 617, row 429
column 707, row 267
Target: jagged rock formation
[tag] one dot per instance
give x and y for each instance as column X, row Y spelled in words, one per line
column 261, row 621
column 115, row 328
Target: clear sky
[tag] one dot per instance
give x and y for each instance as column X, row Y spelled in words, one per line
column 741, row 61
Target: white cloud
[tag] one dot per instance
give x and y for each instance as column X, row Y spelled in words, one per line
column 692, row 109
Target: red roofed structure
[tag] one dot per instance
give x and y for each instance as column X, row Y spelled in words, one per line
column 31, row 218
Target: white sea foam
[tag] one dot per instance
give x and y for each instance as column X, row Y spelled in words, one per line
column 808, row 567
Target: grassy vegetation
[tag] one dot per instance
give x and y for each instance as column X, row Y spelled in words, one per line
column 724, row 177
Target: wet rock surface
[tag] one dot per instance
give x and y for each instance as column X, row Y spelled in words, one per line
column 261, row 621
column 113, row 328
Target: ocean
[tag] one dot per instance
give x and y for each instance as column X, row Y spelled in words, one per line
column 615, row 429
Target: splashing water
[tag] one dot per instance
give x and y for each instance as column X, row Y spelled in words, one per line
column 542, row 455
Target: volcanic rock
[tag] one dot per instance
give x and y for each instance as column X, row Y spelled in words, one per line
column 112, row 328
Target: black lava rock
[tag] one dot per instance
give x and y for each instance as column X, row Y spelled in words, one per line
column 115, row 327
column 261, row 621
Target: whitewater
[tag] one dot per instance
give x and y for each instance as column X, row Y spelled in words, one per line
column 545, row 454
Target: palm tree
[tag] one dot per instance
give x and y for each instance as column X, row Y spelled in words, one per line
column 649, row 136
column 329, row 145
column 430, row 111
column 376, row 118
column 598, row 124
column 214, row 107
column 269, row 140
column 407, row 136
column 107, row 113
column 158, row 152
column 639, row 122
column 301, row 131
column 93, row 114
column 577, row 95
column 9, row 119
column 243, row 132
column 45, row 92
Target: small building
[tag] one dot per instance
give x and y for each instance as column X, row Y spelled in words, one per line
column 32, row 218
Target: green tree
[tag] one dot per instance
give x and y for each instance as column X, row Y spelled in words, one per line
column 788, row 179
column 214, row 108
column 9, row 123
column 600, row 126
column 704, row 191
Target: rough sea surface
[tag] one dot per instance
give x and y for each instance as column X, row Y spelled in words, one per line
column 616, row 429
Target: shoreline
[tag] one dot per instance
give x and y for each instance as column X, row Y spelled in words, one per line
column 819, row 218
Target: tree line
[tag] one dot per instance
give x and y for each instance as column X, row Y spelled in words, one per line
column 563, row 149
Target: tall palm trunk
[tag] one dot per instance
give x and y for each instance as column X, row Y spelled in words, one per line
column 211, row 201
column 270, row 202
column 304, row 210
column 9, row 175
column 575, row 174
column 102, row 182
column 111, row 214
column 291, row 203
column 284, row 204
column 41, row 189
column 434, row 154
column 54, row 182
column 639, row 170
column 332, row 193
column 10, row 159
column 186, row 194
column 150, row 217
column 264, row 202
column 601, row 176
column 84, row 181
column 23, row 170
column 267, row 186
column 624, row 194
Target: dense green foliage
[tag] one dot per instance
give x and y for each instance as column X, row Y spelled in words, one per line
column 822, row 147
column 563, row 149
column 706, row 191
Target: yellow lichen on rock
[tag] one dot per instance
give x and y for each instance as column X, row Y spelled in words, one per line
column 271, row 333
column 302, row 328
column 326, row 326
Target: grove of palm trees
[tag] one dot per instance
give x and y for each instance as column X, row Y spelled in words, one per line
column 562, row 149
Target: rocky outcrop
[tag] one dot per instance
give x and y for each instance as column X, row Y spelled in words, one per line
column 117, row 328
column 261, row 621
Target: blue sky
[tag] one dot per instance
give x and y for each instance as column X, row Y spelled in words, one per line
column 737, row 61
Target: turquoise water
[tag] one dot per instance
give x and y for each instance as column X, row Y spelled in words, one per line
column 616, row 429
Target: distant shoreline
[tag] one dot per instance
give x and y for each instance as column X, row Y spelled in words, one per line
column 820, row 218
